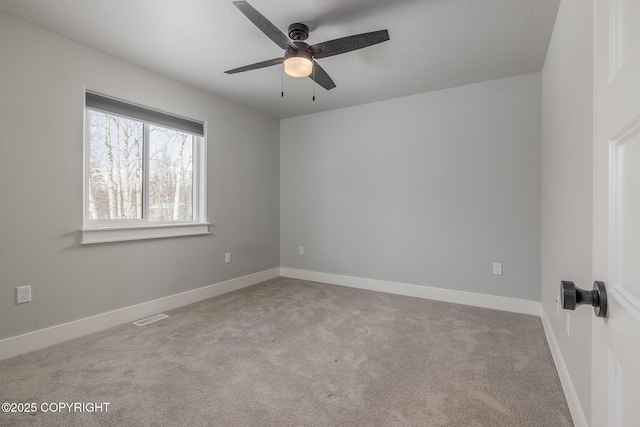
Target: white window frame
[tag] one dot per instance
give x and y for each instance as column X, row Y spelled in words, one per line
column 117, row 230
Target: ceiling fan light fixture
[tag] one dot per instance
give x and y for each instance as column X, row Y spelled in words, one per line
column 298, row 66
column 298, row 63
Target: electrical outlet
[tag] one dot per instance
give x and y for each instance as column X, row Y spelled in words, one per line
column 23, row 294
column 497, row 268
column 227, row 258
column 300, row 250
column 568, row 324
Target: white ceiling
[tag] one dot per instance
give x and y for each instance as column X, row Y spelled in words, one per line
column 435, row 44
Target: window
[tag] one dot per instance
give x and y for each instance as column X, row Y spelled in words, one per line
column 144, row 173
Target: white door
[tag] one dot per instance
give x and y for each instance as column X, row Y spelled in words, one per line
column 616, row 339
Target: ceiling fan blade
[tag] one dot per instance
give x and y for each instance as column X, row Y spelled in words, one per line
column 263, row 64
column 265, row 25
column 348, row 44
column 320, row 76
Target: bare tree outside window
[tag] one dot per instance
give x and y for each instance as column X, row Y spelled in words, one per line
column 117, row 162
column 170, row 175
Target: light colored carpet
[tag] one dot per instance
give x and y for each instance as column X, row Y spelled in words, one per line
column 293, row 353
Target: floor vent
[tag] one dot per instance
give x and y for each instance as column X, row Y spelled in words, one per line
column 150, row 319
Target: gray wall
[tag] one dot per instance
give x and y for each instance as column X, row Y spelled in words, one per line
column 567, row 183
column 42, row 83
column 429, row 189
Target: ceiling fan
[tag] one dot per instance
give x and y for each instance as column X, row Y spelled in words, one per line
column 299, row 58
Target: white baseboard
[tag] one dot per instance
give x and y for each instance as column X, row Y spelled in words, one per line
column 577, row 413
column 20, row 344
column 447, row 295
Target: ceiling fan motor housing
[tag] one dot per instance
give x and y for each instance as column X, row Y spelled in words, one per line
column 298, row 32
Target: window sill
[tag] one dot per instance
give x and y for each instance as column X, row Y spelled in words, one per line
column 121, row 234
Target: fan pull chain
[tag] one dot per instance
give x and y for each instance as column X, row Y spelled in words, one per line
column 313, row 70
column 282, row 90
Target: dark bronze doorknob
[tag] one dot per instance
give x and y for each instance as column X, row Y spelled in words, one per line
column 571, row 296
